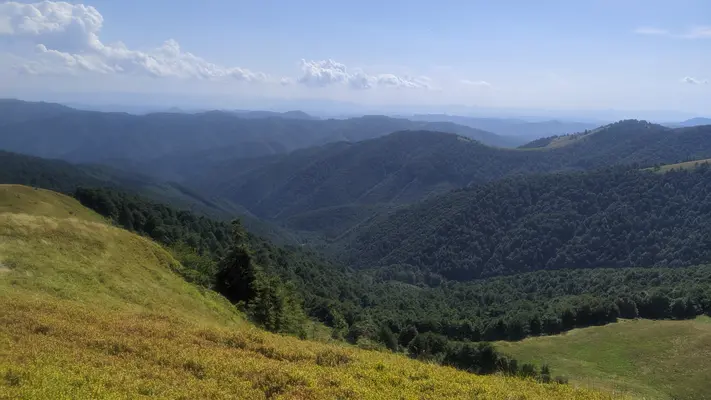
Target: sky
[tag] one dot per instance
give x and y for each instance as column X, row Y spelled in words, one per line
column 516, row 54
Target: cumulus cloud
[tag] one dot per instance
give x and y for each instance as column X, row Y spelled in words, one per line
column 694, row 32
column 475, row 83
column 54, row 37
column 694, row 81
column 65, row 38
column 329, row 72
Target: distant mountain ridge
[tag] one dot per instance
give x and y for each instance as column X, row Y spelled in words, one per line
column 326, row 175
column 690, row 122
column 15, row 111
column 54, row 131
column 517, row 128
column 296, row 114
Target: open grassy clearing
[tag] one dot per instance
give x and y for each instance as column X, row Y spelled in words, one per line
column 90, row 311
column 684, row 165
column 653, row 359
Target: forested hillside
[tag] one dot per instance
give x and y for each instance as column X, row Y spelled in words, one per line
column 617, row 217
column 399, row 168
column 65, row 177
column 332, row 184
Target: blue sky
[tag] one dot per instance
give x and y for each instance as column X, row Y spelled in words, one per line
column 622, row 54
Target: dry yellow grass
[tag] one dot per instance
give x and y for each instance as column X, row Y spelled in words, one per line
column 89, row 311
column 24, row 199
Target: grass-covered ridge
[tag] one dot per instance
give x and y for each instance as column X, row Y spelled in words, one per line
column 19, row 199
column 53, row 248
column 92, row 311
column 654, row 359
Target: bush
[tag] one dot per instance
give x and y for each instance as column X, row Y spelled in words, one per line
column 13, row 378
column 332, row 358
column 428, row 346
column 195, row 368
column 561, row 380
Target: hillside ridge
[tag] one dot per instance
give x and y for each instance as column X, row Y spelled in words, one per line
column 408, row 166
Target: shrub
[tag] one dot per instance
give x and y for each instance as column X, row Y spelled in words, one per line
column 13, row 378
column 332, row 358
column 195, row 368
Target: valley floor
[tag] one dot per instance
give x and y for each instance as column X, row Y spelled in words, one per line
column 654, row 359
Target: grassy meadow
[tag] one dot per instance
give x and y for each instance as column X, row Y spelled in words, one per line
column 90, row 311
column 685, row 165
column 649, row 359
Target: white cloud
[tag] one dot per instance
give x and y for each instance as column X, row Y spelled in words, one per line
column 651, row 31
column 694, row 32
column 694, row 81
column 329, row 72
column 59, row 38
column 475, row 83
column 698, row 32
column 66, row 40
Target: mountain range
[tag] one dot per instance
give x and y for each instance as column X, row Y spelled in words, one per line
column 122, row 139
column 322, row 177
column 422, row 238
column 525, row 130
column 337, row 186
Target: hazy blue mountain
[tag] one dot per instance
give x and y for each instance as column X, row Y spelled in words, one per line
column 518, row 128
column 16, row 111
column 54, row 131
column 690, row 122
column 296, row 114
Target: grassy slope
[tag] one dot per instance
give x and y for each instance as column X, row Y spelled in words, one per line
column 26, row 200
column 656, row 359
column 684, row 165
column 90, row 311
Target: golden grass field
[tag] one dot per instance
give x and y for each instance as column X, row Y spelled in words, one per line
column 90, row 311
